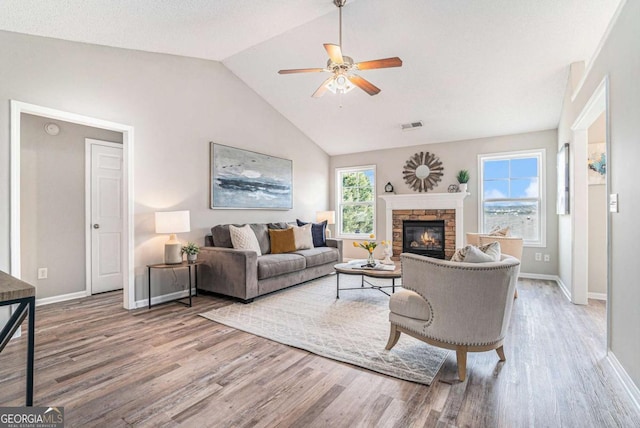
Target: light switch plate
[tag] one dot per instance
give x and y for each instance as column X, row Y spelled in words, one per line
column 613, row 203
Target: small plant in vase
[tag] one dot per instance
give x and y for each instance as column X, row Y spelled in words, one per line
column 463, row 179
column 191, row 250
column 369, row 246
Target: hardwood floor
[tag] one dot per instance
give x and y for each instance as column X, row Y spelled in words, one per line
column 169, row 367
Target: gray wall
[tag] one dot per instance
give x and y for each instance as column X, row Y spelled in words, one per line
column 456, row 156
column 52, row 199
column 620, row 60
column 177, row 106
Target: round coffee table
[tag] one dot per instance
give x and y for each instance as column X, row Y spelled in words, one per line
column 355, row 267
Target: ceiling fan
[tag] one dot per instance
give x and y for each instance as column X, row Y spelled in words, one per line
column 343, row 79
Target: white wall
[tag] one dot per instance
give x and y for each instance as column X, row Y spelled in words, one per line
column 177, row 106
column 456, row 156
column 52, row 202
column 619, row 58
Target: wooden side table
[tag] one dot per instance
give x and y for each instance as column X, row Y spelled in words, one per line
column 176, row 266
column 13, row 291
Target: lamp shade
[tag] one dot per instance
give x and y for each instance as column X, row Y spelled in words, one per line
column 330, row 216
column 173, row 222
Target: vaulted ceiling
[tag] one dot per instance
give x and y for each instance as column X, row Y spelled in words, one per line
column 472, row 68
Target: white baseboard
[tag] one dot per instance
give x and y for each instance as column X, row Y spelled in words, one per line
column 538, row 276
column 597, row 296
column 623, row 376
column 564, row 288
column 161, row 299
column 61, row 298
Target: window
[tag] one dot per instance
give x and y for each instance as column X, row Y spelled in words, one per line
column 512, row 194
column 356, row 201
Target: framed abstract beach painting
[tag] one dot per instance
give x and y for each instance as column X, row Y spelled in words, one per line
column 597, row 163
column 242, row 179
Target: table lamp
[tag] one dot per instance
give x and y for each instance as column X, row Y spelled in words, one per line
column 172, row 222
column 330, row 216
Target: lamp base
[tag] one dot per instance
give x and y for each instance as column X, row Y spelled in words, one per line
column 172, row 251
column 327, row 232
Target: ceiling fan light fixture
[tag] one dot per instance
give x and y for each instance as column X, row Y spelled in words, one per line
column 340, row 84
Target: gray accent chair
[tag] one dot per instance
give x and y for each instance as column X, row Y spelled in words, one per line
column 461, row 306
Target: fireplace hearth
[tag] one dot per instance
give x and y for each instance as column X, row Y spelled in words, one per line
column 424, row 237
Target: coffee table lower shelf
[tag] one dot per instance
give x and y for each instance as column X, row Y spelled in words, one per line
column 350, row 269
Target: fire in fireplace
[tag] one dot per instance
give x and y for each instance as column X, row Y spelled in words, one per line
column 424, row 237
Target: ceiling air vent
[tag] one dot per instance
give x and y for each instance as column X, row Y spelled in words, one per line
column 412, row 125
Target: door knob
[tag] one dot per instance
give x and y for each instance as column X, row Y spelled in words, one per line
column 96, row 226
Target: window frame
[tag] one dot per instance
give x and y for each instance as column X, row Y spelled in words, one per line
column 338, row 200
column 542, row 193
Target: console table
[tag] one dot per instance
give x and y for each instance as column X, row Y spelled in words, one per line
column 16, row 292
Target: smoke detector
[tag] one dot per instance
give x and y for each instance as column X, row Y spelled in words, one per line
column 412, row 125
column 51, row 128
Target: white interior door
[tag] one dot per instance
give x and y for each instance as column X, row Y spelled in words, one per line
column 106, row 220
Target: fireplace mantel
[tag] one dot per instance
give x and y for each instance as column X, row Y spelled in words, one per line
column 426, row 201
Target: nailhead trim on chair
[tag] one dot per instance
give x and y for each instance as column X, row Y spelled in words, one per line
column 452, row 265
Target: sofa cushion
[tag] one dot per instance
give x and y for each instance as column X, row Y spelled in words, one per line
column 262, row 234
column 280, row 226
column 318, row 231
column 319, row 256
column 409, row 304
column 221, row 236
column 302, row 237
column 244, row 238
column 271, row 265
column 282, row 241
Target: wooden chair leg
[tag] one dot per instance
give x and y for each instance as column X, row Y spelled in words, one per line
column 394, row 335
column 515, row 295
column 500, row 352
column 461, row 358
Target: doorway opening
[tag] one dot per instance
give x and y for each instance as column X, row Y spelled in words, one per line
column 591, row 217
column 125, row 249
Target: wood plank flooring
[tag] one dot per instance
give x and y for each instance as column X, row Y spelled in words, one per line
column 167, row 366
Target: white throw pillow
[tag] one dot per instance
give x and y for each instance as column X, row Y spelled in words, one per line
column 474, row 255
column 491, row 249
column 243, row 238
column 302, row 236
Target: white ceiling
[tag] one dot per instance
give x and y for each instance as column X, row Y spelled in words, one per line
column 472, row 68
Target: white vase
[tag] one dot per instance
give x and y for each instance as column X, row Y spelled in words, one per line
column 191, row 258
column 388, row 252
column 463, row 187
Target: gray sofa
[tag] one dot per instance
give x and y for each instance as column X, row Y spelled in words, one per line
column 245, row 275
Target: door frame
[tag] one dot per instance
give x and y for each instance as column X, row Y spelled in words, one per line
column 17, row 108
column 88, row 170
column 597, row 104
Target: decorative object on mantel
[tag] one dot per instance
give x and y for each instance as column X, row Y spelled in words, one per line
column 422, row 171
column 388, row 188
column 453, row 188
column 369, row 246
column 246, row 179
column 463, row 179
column 191, row 250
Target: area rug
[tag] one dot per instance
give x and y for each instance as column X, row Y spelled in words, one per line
column 353, row 329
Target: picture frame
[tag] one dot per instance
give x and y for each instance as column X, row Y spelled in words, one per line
column 597, row 164
column 243, row 179
column 562, row 203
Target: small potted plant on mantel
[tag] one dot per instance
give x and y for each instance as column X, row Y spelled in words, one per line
column 191, row 250
column 463, row 179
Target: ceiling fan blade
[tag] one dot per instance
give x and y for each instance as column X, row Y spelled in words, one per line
column 379, row 63
column 335, row 53
column 323, row 88
column 301, row 70
column 364, row 84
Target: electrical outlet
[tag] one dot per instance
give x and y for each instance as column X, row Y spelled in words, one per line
column 547, row 258
column 43, row 273
column 538, row 257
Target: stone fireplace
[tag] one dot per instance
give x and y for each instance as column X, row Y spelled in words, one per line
column 444, row 208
